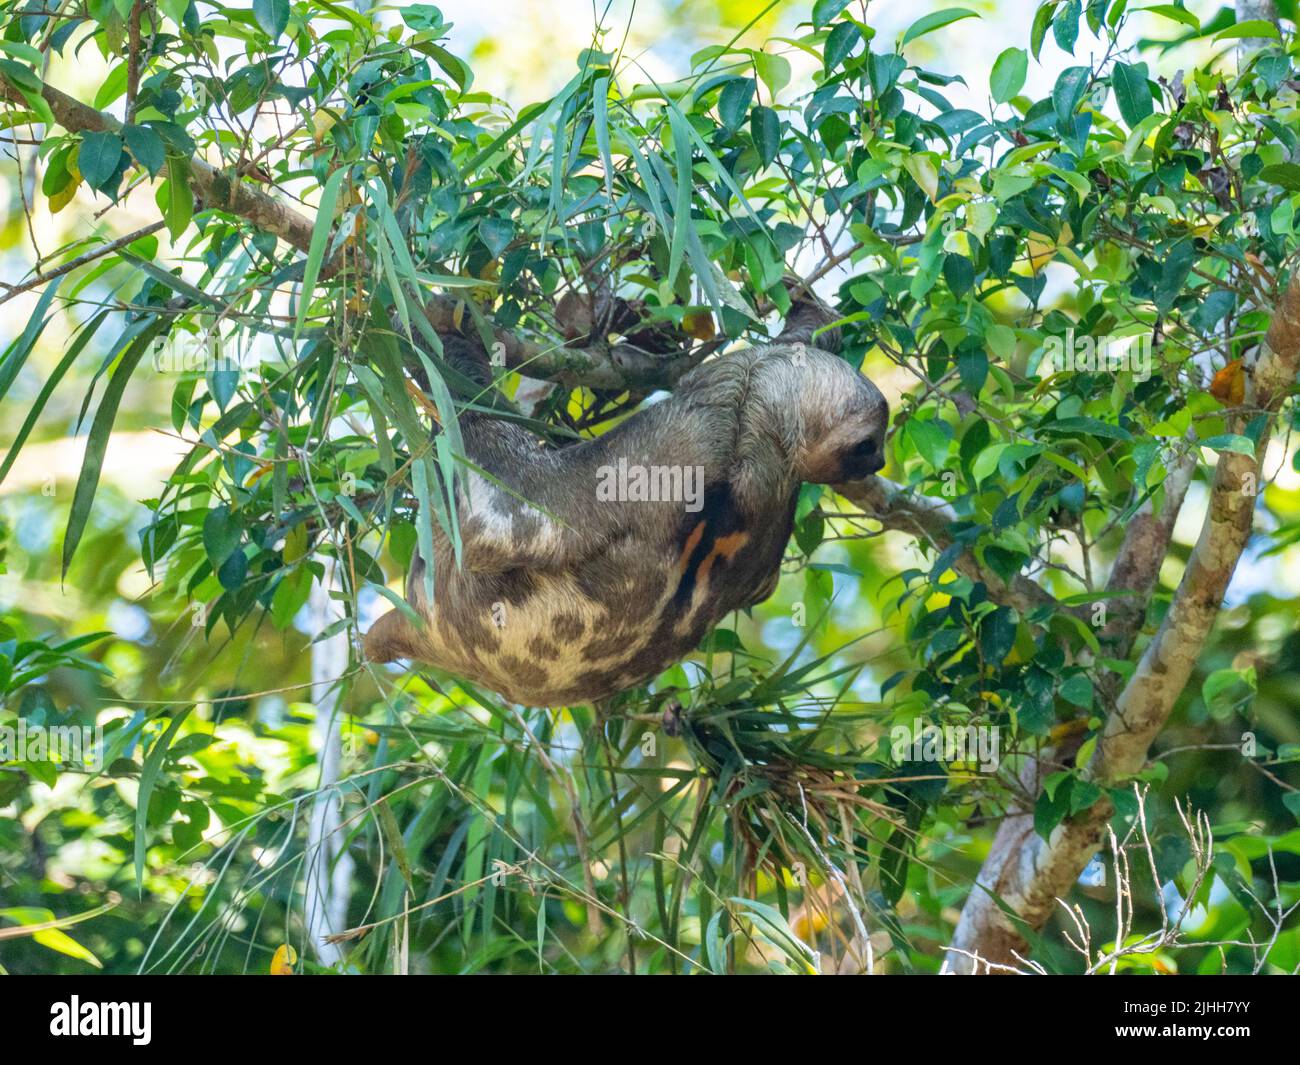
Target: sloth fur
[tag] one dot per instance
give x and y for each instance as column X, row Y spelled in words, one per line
column 564, row 595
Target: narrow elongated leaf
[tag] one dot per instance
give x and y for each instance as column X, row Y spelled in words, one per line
column 936, row 20
column 153, row 764
column 1251, row 28
column 47, row 389
column 97, row 441
column 319, row 236
column 600, row 115
column 685, row 184
column 16, row 357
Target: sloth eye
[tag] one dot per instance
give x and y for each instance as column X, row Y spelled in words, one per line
column 864, row 448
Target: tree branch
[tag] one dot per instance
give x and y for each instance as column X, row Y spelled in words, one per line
column 1146, row 543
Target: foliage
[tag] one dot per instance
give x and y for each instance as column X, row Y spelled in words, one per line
column 747, row 810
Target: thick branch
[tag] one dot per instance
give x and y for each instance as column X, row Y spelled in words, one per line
column 599, row 365
column 213, row 187
column 1137, row 564
column 1030, row 874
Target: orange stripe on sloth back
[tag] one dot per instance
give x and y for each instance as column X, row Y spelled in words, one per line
column 726, row 547
column 689, row 547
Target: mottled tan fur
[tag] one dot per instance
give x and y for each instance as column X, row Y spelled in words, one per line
column 569, row 599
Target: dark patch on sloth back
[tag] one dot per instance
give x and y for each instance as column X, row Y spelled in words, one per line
column 568, row 627
column 733, row 580
column 528, row 674
column 698, row 537
column 542, row 647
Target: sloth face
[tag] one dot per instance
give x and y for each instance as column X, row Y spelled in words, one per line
column 844, row 419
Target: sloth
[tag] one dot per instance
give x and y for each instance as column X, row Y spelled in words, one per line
column 588, row 569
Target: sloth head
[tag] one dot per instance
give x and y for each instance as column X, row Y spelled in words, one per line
column 841, row 417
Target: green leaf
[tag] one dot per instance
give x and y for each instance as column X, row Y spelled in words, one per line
column 26, row 79
column 97, row 441
column 1068, row 91
column 600, row 113
column 774, row 71
column 1132, row 92
column 496, row 234
column 734, row 101
column 233, row 571
column 825, row 10
column 934, row 21
column 272, row 16
column 1077, row 690
column 1088, row 427
column 316, row 249
column 973, row 366
column 114, row 85
column 682, row 223
column 153, row 764
column 1175, row 269
column 893, row 866
column 16, row 357
column 1241, row 445
column 99, row 157
column 839, row 43
column 1255, row 27
column 1038, row 30
column 48, row 387
column 929, row 440
column 1065, row 25
column 291, row 595
column 1174, row 12
column 222, row 531
column 146, row 148
column 1284, row 175
column 765, row 127
column 1008, row 76
column 177, row 200
column 1291, row 800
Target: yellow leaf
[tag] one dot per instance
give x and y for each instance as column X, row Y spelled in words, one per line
column 295, row 543
column 65, row 195
column 65, row 944
column 699, row 324
column 283, row 961
column 1229, row 384
column 923, row 171
column 321, row 123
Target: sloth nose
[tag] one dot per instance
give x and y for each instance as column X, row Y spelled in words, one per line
column 863, row 459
